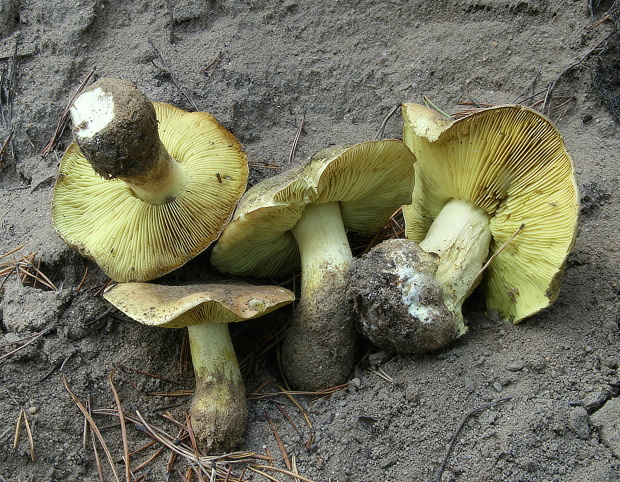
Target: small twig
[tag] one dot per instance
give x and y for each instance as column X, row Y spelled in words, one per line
column 32, row 340
column 5, row 146
column 147, row 445
column 184, row 354
column 173, row 455
column 60, row 366
column 431, row 105
column 192, row 436
column 474, row 102
column 282, row 471
column 295, row 470
column 92, row 319
column 30, row 438
column 563, row 113
column 93, row 426
column 276, row 435
column 85, row 425
column 606, row 17
column 141, row 465
column 103, row 288
column 260, row 472
column 93, row 442
column 291, row 156
column 298, row 405
column 18, row 427
column 321, row 393
column 552, row 85
column 9, row 91
column 171, row 15
column 264, row 165
column 384, row 232
column 80, row 286
column 529, row 88
column 121, row 417
column 22, row 268
column 496, row 253
column 381, row 131
column 458, row 431
column 228, row 473
column 288, row 417
column 381, row 373
column 167, row 70
column 142, row 372
column 14, row 250
column 210, row 67
column 268, row 454
column 164, row 439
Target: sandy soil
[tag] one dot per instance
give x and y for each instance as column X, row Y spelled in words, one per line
column 261, row 66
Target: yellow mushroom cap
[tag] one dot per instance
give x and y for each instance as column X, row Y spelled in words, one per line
column 369, row 180
column 132, row 240
column 185, row 305
column 510, row 161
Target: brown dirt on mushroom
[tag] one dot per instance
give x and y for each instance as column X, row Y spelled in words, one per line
column 219, row 425
column 328, row 350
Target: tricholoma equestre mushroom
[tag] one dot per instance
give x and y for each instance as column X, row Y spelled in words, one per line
column 145, row 186
column 218, row 410
column 496, row 181
column 297, row 219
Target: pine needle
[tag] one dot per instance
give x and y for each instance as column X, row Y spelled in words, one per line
column 93, row 426
column 282, row 471
column 121, row 417
column 276, row 435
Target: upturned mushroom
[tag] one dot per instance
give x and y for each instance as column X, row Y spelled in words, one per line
column 145, row 186
column 297, row 219
column 497, row 181
column 218, row 410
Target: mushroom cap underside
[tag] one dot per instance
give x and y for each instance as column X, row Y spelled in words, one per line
column 369, row 181
column 184, row 305
column 510, row 161
column 132, row 240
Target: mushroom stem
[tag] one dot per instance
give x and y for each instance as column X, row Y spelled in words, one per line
column 218, row 409
column 116, row 128
column 319, row 350
column 162, row 183
column 460, row 236
column 323, row 245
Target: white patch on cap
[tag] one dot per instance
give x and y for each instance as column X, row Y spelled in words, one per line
column 257, row 305
column 92, row 112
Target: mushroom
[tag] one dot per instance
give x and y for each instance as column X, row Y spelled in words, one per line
column 498, row 180
column 297, row 219
column 218, row 410
column 145, row 186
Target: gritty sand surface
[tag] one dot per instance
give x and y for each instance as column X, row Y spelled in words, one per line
column 261, row 66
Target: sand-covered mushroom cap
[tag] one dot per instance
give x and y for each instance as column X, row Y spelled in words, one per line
column 511, row 162
column 137, row 225
column 298, row 219
column 174, row 306
column 218, row 411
